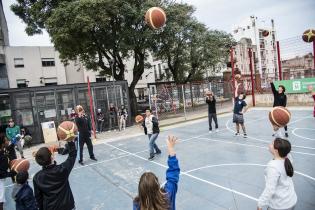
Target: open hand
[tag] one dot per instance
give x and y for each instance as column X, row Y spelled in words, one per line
column 171, row 141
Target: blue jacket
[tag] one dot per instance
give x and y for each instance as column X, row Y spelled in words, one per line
column 172, row 177
column 24, row 197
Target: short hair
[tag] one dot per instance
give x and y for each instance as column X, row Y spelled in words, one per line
column 43, row 156
column 22, row 177
column 282, row 87
column 244, row 95
column 148, row 109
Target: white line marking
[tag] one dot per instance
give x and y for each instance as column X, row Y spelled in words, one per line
column 251, row 145
column 302, row 137
column 250, row 137
column 244, row 164
column 183, row 173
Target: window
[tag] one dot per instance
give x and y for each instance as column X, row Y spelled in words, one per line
column 160, row 71
column 50, row 83
column 155, row 73
column 100, row 79
column 18, row 62
column 48, row 62
column 22, row 83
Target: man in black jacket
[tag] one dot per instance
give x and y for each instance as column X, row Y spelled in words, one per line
column 212, row 112
column 84, row 127
column 51, row 185
column 280, row 99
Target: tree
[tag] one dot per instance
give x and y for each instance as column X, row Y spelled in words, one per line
column 97, row 32
column 188, row 47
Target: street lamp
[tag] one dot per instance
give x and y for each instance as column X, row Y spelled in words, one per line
column 111, row 63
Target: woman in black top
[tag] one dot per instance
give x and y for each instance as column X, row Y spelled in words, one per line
column 280, row 99
column 84, row 127
column 212, row 112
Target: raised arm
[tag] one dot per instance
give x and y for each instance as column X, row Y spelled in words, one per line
column 69, row 163
column 173, row 171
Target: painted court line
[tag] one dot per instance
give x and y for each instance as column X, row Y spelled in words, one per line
column 261, row 140
column 251, row 145
column 189, row 175
column 244, row 164
column 303, row 137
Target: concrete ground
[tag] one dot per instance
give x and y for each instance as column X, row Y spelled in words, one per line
column 218, row 170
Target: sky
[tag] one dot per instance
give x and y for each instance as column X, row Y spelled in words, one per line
column 292, row 17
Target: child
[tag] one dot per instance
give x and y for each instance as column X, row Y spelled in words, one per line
column 122, row 116
column 151, row 128
column 22, row 193
column 280, row 99
column 279, row 191
column 51, row 184
column 212, row 113
column 7, row 153
column 150, row 195
column 238, row 117
column 13, row 133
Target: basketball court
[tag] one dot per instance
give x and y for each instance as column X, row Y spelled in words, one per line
column 218, row 171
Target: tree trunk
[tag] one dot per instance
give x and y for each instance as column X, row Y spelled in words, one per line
column 133, row 102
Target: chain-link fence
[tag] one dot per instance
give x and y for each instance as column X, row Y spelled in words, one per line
column 170, row 100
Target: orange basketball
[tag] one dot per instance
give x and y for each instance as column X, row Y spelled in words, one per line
column 238, row 76
column 309, row 35
column 279, row 116
column 139, row 119
column 67, row 131
column 265, row 33
column 155, row 17
column 19, row 165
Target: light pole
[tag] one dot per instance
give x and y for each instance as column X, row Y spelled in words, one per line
column 111, row 63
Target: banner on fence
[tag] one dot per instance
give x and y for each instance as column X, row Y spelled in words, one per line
column 297, row 85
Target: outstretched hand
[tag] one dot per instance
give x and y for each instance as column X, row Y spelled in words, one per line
column 171, row 141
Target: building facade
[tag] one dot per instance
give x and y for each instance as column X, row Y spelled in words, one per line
column 265, row 46
column 298, row 67
column 4, row 41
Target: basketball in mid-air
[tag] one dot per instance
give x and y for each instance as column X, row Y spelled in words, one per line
column 279, row 116
column 139, row 119
column 67, row 131
column 265, row 33
column 309, row 35
column 237, row 76
column 19, row 165
column 155, row 17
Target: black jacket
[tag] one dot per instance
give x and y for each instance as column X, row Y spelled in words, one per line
column 155, row 127
column 211, row 105
column 5, row 156
column 84, row 125
column 24, row 197
column 279, row 99
column 51, row 184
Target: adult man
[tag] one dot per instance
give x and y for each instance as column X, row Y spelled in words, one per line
column 212, row 112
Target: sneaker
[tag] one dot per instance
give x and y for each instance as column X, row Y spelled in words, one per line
column 286, row 135
column 93, row 158
column 158, row 152
column 81, row 162
column 237, row 134
column 151, row 157
column 210, row 131
column 245, row 135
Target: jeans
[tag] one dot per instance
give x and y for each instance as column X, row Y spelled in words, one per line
column 152, row 144
column 122, row 123
column 214, row 117
column 100, row 125
column 20, row 147
column 112, row 122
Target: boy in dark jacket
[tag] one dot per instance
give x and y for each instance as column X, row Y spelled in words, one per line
column 7, row 153
column 212, row 112
column 280, row 99
column 51, row 184
column 149, row 193
column 22, row 193
column 151, row 128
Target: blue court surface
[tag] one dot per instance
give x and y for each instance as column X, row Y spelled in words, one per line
column 218, row 171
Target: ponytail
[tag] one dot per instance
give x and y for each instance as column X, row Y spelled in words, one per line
column 288, row 167
column 284, row 147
